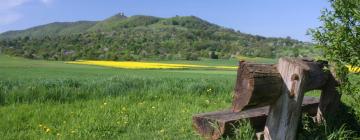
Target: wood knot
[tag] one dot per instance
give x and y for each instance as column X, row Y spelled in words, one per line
column 294, row 80
column 294, row 77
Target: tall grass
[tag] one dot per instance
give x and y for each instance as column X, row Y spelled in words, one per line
column 110, row 108
column 53, row 100
column 69, row 90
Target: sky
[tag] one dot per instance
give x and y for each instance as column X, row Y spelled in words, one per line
column 270, row 18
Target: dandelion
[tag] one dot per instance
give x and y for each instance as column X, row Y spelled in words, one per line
column 207, row 101
column 184, row 110
column 182, row 129
column 47, row 130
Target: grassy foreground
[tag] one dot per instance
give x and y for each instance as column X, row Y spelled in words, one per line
column 54, row 100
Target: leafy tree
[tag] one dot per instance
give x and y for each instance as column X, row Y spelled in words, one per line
column 133, row 38
column 339, row 35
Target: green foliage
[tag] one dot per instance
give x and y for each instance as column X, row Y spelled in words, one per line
column 244, row 131
column 311, row 130
column 52, row 29
column 338, row 37
column 90, row 102
column 341, row 134
column 120, row 21
column 213, row 55
column 142, row 37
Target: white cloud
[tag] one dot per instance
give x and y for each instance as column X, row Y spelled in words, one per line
column 10, row 4
column 8, row 13
column 8, row 9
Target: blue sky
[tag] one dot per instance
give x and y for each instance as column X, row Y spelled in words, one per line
column 271, row 18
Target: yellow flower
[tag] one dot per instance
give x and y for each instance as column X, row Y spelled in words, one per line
column 182, row 129
column 353, row 69
column 47, row 130
column 143, row 65
column 207, row 101
column 105, row 103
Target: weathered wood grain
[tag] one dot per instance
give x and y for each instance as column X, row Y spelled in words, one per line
column 329, row 100
column 214, row 125
column 259, row 85
column 256, row 85
column 298, row 77
column 281, row 86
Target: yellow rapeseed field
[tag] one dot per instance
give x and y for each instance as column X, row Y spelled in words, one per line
column 144, row 65
column 353, row 69
column 152, row 65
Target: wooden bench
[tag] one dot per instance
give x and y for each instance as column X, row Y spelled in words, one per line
column 214, row 125
column 268, row 94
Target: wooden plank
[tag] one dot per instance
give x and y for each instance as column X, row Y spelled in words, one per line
column 299, row 76
column 259, row 85
column 214, row 125
column 329, row 100
column 256, row 85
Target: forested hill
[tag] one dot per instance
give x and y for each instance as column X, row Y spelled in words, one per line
column 138, row 37
column 52, row 29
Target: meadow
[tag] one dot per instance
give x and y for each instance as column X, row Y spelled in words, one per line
column 57, row 100
column 54, row 100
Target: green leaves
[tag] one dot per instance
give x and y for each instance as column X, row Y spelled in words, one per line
column 338, row 37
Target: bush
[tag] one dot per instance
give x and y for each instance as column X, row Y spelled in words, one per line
column 213, row 55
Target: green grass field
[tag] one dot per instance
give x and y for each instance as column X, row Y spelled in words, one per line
column 53, row 100
column 50, row 100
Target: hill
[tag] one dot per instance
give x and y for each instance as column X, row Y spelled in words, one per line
column 142, row 37
column 52, row 29
column 119, row 22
